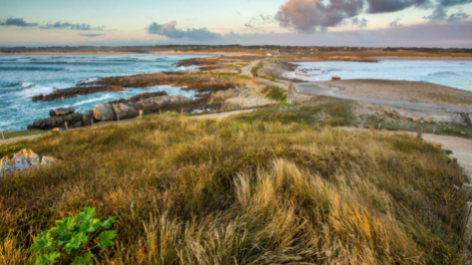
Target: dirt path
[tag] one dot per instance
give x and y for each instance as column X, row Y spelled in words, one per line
column 16, row 139
column 330, row 91
column 246, row 70
column 220, row 115
column 461, row 148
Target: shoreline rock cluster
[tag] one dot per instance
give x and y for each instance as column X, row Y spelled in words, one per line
column 60, row 117
column 122, row 109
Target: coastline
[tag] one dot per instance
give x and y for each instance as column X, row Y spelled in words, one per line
column 116, row 52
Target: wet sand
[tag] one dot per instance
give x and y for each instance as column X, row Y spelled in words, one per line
column 410, row 93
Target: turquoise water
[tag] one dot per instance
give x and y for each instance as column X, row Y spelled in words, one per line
column 24, row 76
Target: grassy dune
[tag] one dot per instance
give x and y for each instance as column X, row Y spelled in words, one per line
column 241, row 191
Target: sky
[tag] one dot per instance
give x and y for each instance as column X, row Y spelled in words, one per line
column 367, row 23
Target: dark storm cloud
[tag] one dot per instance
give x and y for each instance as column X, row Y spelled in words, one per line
column 170, row 31
column 66, row 25
column 308, row 16
column 19, row 22
column 440, row 15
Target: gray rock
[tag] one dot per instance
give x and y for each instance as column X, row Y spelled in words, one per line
column 124, row 111
column 64, row 111
column 104, row 112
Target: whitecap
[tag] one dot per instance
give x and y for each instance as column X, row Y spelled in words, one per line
column 106, row 96
column 26, row 84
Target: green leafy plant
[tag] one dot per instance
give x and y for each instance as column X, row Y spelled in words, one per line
column 74, row 239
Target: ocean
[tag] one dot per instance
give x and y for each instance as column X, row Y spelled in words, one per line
column 452, row 73
column 25, row 76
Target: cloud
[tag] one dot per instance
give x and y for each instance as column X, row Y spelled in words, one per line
column 309, row 16
column 19, row 22
column 67, row 25
column 361, row 23
column 449, row 3
column 306, row 15
column 395, row 23
column 387, row 6
column 91, row 35
column 259, row 20
column 440, row 15
column 170, row 31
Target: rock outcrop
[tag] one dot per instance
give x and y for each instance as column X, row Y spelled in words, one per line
column 130, row 109
column 23, row 160
column 59, row 117
column 74, row 91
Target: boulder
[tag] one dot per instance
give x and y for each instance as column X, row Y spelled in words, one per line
column 124, row 111
column 23, row 160
column 47, row 124
column 56, row 121
column 48, row 160
column 104, row 112
column 64, row 111
column 18, row 162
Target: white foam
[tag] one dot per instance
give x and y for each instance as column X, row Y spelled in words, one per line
column 106, row 96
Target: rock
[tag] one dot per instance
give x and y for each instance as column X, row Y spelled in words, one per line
column 23, row 160
column 56, row 121
column 18, row 162
column 104, row 112
column 335, row 78
column 64, row 111
column 74, row 91
column 48, row 160
column 124, row 111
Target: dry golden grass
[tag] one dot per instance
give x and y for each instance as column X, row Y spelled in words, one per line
column 228, row 192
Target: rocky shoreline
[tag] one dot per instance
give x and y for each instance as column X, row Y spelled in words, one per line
column 186, row 80
column 75, row 91
column 211, row 89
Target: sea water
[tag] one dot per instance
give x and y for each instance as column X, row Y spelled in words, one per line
column 25, row 76
column 452, row 73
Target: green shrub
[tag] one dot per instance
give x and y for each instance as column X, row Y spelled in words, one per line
column 74, row 239
column 275, row 93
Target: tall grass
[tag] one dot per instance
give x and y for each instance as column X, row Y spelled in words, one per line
column 229, row 192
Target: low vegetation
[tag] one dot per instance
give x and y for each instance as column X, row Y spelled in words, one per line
column 332, row 113
column 275, row 93
column 261, row 188
column 255, row 70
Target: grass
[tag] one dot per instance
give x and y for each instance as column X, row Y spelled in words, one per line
column 242, row 191
column 337, row 113
column 394, row 123
column 275, row 93
column 13, row 134
column 255, row 70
